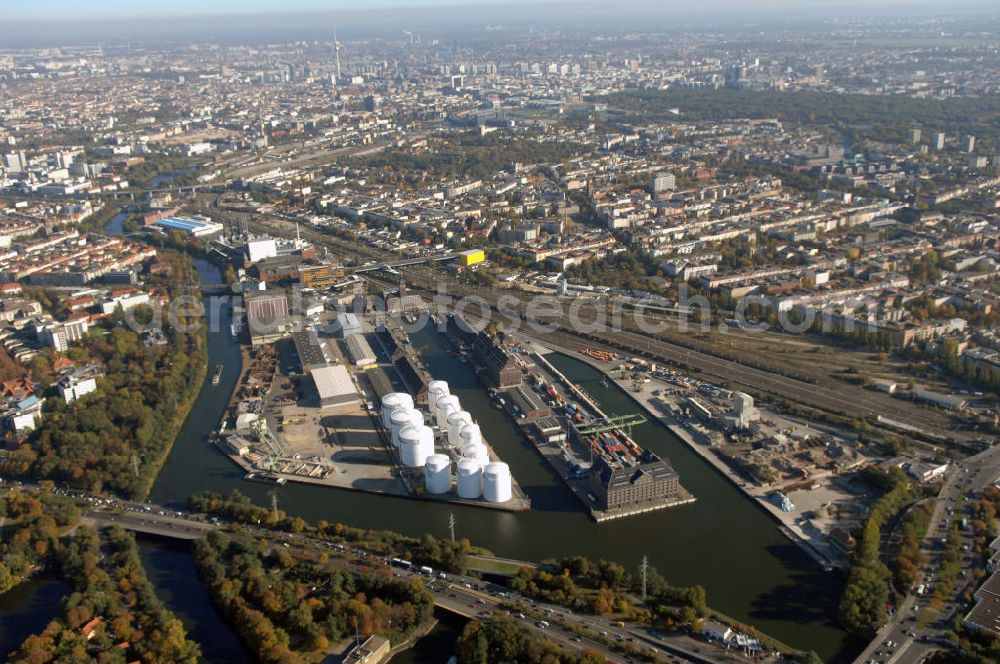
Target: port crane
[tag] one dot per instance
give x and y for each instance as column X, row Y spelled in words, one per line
column 622, row 422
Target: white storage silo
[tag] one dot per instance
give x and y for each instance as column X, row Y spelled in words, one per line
column 391, row 402
column 435, row 390
column 443, row 408
column 478, row 452
column 437, row 474
column 469, row 434
column 469, row 478
column 456, row 422
column 497, row 482
column 415, row 445
column 402, row 418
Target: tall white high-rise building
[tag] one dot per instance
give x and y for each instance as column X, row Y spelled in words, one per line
column 664, row 182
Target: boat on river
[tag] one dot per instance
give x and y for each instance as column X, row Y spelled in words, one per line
column 265, row 478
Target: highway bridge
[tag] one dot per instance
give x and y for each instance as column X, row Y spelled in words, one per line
column 151, row 524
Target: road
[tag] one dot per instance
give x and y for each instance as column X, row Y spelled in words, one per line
column 911, row 644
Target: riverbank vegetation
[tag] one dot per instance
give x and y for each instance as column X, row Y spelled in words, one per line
column 117, row 438
column 607, row 588
column 113, row 614
column 286, row 608
column 29, row 537
column 863, row 604
column 909, row 559
column 439, row 554
column 500, row 639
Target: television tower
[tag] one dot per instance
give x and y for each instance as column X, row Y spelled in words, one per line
column 336, row 53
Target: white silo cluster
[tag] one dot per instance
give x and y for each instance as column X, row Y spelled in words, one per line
column 435, row 390
column 409, row 434
column 476, row 477
column 443, row 409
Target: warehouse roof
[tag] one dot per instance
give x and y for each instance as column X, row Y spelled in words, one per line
column 359, row 349
column 333, row 381
column 310, row 351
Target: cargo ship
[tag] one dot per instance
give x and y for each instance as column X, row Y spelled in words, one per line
column 217, row 375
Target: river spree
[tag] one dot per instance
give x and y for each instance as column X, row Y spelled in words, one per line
column 724, row 541
column 27, row 608
column 170, row 567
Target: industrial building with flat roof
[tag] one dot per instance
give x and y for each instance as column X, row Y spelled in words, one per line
column 194, row 227
column 413, row 376
column 348, row 324
column 310, row 350
column 359, row 350
column 985, row 615
column 335, row 386
column 267, row 315
column 529, row 406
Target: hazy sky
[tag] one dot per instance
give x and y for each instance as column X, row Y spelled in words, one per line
column 73, row 22
column 63, row 9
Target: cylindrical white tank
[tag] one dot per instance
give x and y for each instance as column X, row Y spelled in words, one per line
column 469, row 478
column 469, row 434
column 435, row 390
column 443, row 408
column 437, row 474
column 497, row 482
column 391, row 402
column 400, row 419
column 415, row 445
column 456, row 422
column 478, row 452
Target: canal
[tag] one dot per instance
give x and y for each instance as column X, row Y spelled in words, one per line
column 723, row 542
column 27, row 608
column 170, row 567
column 438, row 645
